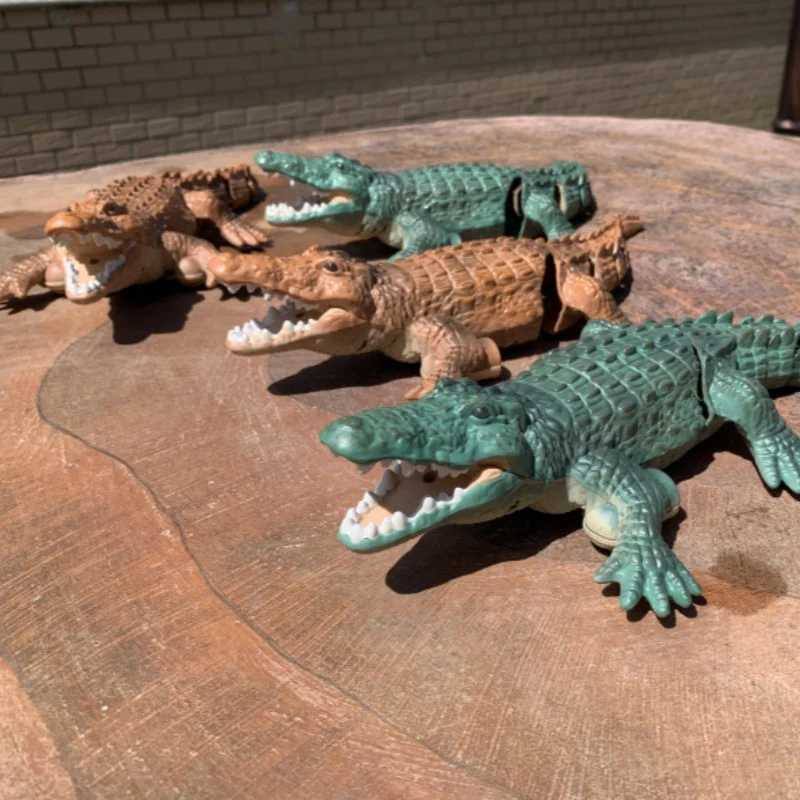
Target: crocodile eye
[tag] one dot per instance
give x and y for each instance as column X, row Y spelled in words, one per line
column 481, row 412
column 331, row 266
column 113, row 209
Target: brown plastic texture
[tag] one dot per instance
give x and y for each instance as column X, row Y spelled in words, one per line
column 137, row 230
column 435, row 307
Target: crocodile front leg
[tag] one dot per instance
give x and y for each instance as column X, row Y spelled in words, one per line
column 544, row 211
column 205, row 204
column 775, row 447
column 420, row 233
column 191, row 255
column 448, row 350
column 31, row 271
column 636, row 500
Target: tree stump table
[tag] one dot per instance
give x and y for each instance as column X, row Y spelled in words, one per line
column 178, row 619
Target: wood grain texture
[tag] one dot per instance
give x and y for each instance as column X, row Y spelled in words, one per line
column 182, row 622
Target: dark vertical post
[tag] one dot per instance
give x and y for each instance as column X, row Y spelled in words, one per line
column 788, row 119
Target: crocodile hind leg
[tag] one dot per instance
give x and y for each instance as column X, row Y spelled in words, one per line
column 38, row 269
column 447, row 350
column 205, row 204
column 634, row 502
column 745, row 402
column 191, row 255
column 420, row 233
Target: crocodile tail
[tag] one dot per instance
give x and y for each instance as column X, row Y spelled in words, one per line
column 573, row 182
column 237, row 183
column 242, row 185
column 766, row 348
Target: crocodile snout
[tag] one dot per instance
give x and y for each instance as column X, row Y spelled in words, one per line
column 226, row 266
column 63, row 221
column 347, row 437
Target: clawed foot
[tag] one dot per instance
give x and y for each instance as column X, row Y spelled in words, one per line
column 240, row 233
column 778, row 459
column 648, row 568
column 12, row 286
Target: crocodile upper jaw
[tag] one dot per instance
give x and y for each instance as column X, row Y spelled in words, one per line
column 321, row 204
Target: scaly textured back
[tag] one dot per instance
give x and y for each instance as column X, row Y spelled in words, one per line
column 472, row 193
column 152, row 201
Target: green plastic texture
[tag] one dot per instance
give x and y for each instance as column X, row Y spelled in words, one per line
column 420, row 209
column 589, row 425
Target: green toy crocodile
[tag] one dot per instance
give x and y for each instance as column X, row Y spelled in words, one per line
column 589, row 425
column 420, row 209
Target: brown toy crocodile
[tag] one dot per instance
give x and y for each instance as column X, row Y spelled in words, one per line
column 450, row 308
column 136, row 230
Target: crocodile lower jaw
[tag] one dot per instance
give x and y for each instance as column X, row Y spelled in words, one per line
column 413, row 498
column 280, row 326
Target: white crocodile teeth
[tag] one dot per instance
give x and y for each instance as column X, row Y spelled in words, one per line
column 407, row 469
column 356, row 534
column 428, row 504
column 266, row 295
column 362, row 508
column 292, row 181
column 351, row 515
column 371, row 531
column 458, row 493
column 399, row 521
column 369, row 500
column 388, row 481
column 301, row 326
column 386, row 526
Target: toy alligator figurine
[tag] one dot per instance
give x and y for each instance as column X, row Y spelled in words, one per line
column 590, row 425
column 419, row 209
column 450, row 308
column 137, row 230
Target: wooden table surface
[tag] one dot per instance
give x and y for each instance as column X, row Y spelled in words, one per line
column 178, row 620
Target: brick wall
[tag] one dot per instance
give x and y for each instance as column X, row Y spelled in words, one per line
column 104, row 82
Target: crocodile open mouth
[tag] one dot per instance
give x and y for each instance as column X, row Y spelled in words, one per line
column 313, row 203
column 288, row 320
column 411, row 498
column 90, row 260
